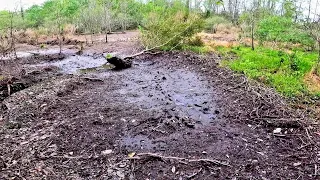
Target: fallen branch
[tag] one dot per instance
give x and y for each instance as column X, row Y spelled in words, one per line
column 92, row 79
column 194, row 174
column 281, row 122
column 238, row 86
column 43, row 157
column 126, row 62
column 159, row 46
column 180, row 160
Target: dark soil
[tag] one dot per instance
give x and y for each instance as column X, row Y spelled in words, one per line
column 170, row 116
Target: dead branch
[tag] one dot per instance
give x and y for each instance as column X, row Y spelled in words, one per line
column 126, row 62
column 159, row 46
column 281, row 122
column 194, row 174
column 180, row 160
column 64, row 157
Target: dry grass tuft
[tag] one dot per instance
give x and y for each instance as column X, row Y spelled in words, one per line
column 312, row 80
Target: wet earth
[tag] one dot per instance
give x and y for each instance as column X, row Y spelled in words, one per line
column 172, row 115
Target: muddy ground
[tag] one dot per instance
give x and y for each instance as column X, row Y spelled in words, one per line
column 173, row 115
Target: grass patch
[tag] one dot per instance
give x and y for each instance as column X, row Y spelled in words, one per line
column 284, row 71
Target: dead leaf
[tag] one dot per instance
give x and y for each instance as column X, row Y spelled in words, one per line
column 297, row 164
column 106, row 152
column 131, row 155
column 173, row 169
column 277, row 131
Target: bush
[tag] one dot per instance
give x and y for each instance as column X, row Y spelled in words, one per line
column 281, row 29
column 195, row 41
column 213, row 22
column 169, row 27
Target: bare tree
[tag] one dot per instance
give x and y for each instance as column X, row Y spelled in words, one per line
column 107, row 17
column 314, row 28
column 316, row 10
column 13, row 44
column 251, row 20
column 59, row 23
column 309, row 10
column 123, row 16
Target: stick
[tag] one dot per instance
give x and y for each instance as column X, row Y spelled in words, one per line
column 64, row 157
column 194, row 174
column 182, row 160
column 307, row 132
column 9, row 89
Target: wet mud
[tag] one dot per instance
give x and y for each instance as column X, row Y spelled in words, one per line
column 171, row 116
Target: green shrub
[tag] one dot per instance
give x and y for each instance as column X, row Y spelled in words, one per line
column 109, row 56
column 42, row 46
column 169, row 26
column 282, row 29
column 211, row 23
column 195, row 41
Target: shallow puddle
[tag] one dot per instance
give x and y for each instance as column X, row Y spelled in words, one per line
column 178, row 93
column 80, row 64
column 25, row 54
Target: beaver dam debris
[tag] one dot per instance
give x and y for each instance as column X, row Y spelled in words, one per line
column 120, row 63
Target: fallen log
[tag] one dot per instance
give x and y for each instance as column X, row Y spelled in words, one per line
column 120, row 63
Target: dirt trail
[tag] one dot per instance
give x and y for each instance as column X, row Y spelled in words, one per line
column 179, row 115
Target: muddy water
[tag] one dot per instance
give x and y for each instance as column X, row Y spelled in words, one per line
column 24, row 54
column 174, row 94
column 177, row 94
column 75, row 64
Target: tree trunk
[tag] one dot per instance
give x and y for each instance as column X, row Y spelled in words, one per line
column 318, row 51
column 188, row 4
column 85, row 36
column 60, row 44
column 309, row 11
column 252, row 36
column 13, row 46
column 315, row 11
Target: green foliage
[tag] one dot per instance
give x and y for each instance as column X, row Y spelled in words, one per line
column 42, row 46
column 278, row 69
column 195, row 41
column 90, row 20
column 108, row 56
column 34, row 16
column 212, row 22
column 289, row 9
column 109, row 15
column 169, row 25
column 281, row 29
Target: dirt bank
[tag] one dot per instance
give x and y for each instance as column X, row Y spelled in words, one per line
column 171, row 116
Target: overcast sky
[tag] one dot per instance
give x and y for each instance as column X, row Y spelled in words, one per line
column 12, row 4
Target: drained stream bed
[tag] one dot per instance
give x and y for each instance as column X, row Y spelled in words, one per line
column 170, row 116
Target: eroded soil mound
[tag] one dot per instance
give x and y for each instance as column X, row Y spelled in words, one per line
column 170, row 116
